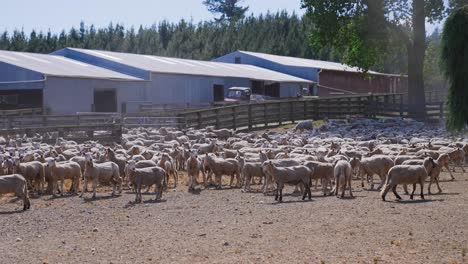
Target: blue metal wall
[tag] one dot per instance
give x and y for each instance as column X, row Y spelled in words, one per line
column 12, row 73
column 307, row 73
column 103, row 63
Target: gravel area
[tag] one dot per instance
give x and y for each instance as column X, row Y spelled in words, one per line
column 228, row 226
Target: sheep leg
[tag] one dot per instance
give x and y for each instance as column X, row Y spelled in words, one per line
column 395, row 193
column 54, row 188
column 85, row 183
column 176, row 178
column 437, row 183
column 372, row 182
column 232, row 180
column 316, row 184
column 450, row 172
column 412, row 193
column 265, row 185
column 281, row 193
column 405, row 187
column 349, row 184
column 277, row 192
column 422, row 189
column 385, row 191
column 324, row 186
column 362, row 179
column 94, row 188
column 218, row 179
column 61, row 187
column 344, row 188
column 337, row 185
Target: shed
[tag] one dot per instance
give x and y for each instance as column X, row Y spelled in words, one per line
column 174, row 80
column 332, row 78
column 63, row 86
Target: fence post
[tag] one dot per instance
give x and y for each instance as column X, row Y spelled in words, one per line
column 250, row 116
column 305, row 110
column 280, row 116
column 265, row 118
column 217, row 118
column 291, row 111
column 234, row 123
column 199, row 117
column 441, row 109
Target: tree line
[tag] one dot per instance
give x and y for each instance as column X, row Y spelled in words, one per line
column 277, row 33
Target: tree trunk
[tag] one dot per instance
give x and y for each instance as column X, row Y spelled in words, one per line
column 416, row 52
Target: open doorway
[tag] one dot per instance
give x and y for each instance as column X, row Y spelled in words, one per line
column 218, row 92
column 105, row 101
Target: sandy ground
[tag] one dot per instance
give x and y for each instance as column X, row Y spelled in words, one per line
column 227, row 226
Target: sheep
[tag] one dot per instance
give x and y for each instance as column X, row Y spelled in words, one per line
column 223, row 167
column 167, row 163
column 101, row 172
column 406, row 174
column 62, row 171
column 304, row 125
column 32, row 171
column 147, row 176
column 291, row 175
column 374, row 165
column 120, row 161
column 458, row 158
column 193, row 170
column 206, row 148
column 322, row 171
column 342, row 173
column 18, row 185
column 221, row 134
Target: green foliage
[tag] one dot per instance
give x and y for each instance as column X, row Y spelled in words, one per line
column 277, row 33
column 455, row 67
column 228, row 9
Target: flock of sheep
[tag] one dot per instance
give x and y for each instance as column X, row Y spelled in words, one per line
column 398, row 151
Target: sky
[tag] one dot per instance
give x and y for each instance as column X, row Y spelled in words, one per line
column 56, row 15
column 63, row 14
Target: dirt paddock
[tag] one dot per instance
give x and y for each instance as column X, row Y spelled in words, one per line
column 228, row 226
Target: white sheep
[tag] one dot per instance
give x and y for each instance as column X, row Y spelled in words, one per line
column 15, row 184
column 63, row 171
column 32, row 171
column 405, row 174
column 168, row 164
column 107, row 172
column 291, row 175
column 147, row 176
column 223, row 167
column 193, row 166
column 342, row 173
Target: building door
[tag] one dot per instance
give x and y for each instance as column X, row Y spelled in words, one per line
column 105, row 101
column 258, row 87
column 272, row 90
column 218, row 92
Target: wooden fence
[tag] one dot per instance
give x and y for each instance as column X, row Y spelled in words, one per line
column 21, row 112
column 273, row 113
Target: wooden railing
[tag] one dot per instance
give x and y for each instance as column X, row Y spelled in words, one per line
column 273, row 113
column 21, row 112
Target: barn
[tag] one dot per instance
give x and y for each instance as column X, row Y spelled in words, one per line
column 63, row 86
column 174, row 80
column 332, row 78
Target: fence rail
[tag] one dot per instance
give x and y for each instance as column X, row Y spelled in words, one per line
column 109, row 126
column 270, row 113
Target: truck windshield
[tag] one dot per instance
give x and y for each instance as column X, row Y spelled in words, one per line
column 235, row 94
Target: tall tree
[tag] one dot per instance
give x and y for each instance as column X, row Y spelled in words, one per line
column 455, row 67
column 228, row 9
column 361, row 29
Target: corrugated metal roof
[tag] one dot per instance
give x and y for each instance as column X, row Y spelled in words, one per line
column 292, row 61
column 51, row 65
column 192, row 67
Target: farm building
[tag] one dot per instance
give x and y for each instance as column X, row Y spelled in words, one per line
column 332, row 78
column 173, row 80
column 62, row 86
